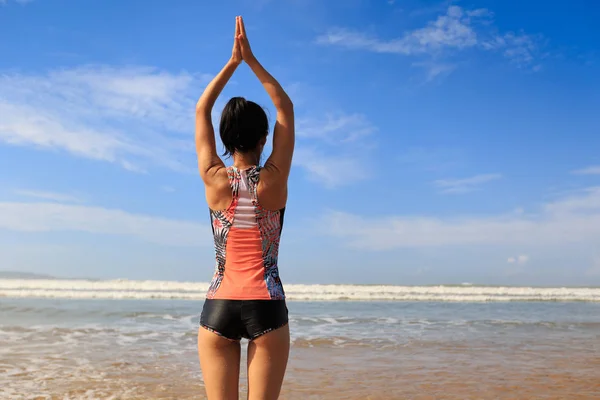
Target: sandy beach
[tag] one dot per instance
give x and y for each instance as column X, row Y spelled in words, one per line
column 534, row 370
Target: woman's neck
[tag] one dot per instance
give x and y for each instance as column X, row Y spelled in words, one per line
column 245, row 160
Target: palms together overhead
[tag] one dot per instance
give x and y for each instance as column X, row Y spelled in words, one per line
column 241, row 40
column 236, row 53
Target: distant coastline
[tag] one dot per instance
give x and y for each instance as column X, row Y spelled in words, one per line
column 34, row 276
column 24, row 275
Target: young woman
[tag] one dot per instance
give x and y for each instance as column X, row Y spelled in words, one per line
column 247, row 202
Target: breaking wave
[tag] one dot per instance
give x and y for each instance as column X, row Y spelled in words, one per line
column 132, row 289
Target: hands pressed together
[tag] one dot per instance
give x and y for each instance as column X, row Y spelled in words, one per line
column 241, row 47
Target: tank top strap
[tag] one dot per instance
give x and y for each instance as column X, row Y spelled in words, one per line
column 253, row 175
column 233, row 174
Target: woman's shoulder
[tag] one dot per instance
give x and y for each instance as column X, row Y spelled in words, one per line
column 272, row 189
column 218, row 191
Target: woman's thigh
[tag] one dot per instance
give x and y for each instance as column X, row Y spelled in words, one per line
column 220, row 364
column 267, row 361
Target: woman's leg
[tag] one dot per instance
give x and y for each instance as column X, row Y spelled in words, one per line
column 267, row 361
column 220, row 364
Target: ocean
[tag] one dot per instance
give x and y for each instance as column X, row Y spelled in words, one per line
column 121, row 339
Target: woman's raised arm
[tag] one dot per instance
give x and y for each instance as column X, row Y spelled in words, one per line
column 280, row 160
column 209, row 161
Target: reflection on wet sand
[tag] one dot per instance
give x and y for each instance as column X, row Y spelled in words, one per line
column 447, row 371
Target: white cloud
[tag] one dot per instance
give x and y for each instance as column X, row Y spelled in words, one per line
column 521, row 49
column 133, row 116
column 331, row 171
column 27, row 126
column 452, row 30
column 521, row 259
column 435, row 69
column 480, row 12
column 588, row 201
column 144, row 93
column 333, row 143
column 592, row 170
column 335, row 128
column 466, row 184
column 53, row 217
column 59, row 197
column 570, row 220
column 456, row 30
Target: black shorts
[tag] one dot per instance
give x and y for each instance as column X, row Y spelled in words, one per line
column 237, row 319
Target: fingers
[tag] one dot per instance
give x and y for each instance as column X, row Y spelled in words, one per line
column 237, row 27
column 242, row 27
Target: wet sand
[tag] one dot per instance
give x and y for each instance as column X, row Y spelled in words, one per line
column 321, row 370
column 448, row 371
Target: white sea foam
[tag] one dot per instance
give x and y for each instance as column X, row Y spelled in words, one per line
column 130, row 289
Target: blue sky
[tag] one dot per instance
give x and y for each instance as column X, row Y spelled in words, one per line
column 438, row 142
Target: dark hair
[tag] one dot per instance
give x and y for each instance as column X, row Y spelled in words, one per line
column 243, row 125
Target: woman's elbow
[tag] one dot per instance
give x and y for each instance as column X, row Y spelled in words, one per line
column 285, row 105
column 202, row 109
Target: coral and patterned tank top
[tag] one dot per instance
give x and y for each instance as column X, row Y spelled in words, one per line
column 246, row 243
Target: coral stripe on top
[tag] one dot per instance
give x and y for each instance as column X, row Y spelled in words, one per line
column 244, row 275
